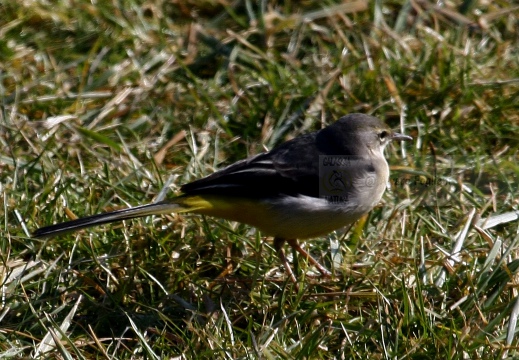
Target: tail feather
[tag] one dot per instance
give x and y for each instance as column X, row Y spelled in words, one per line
column 163, row 207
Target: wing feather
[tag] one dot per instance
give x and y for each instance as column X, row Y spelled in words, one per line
column 289, row 169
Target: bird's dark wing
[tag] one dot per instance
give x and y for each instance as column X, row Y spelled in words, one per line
column 291, row 168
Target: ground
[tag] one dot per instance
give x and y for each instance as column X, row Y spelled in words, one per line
column 106, row 105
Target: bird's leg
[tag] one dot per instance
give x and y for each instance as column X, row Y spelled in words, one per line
column 278, row 245
column 295, row 245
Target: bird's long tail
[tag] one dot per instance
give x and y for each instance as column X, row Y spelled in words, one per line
column 163, row 207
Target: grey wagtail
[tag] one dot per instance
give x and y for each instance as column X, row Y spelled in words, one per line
column 304, row 188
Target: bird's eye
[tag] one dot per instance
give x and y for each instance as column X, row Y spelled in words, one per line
column 383, row 135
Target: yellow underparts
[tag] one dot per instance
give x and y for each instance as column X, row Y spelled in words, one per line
column 231, row 208
column 288, row 221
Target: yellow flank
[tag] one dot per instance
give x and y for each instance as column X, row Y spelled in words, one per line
column 192, row 203
column 284, row 221
column 231, row 208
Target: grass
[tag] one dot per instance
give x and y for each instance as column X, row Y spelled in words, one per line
column 106, row 104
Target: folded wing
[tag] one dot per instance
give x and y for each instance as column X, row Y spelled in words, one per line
column 289, row 169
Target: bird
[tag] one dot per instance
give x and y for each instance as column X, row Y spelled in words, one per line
column 304, row 188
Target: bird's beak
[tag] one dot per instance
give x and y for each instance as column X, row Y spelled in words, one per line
column 401, row 137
